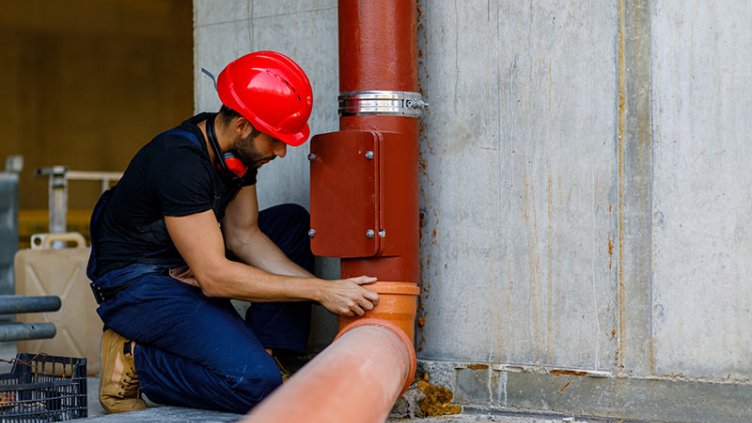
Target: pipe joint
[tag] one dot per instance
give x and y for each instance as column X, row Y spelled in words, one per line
column 398, row 333
column 381, row 103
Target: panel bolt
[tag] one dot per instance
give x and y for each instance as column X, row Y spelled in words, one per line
column 369, row 155
column 311, row 157
column 382, row 233
column 311, row 233
column 370, row 233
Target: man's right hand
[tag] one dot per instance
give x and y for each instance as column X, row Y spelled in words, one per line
column 347, row 297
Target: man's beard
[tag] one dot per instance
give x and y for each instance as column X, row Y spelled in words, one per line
column 246, row 151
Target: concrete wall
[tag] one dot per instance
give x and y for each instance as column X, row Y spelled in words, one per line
column 702, row 243
column 530, row 124
column 584, row 188
column 306, row 31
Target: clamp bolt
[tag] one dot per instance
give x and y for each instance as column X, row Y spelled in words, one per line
column 416, row 104
column 311, row 157
column 311, row 233
column 369, row 155
column 370, row 233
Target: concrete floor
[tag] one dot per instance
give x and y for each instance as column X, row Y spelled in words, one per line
column 182, row 415
column 166, row 414
column 160, row 414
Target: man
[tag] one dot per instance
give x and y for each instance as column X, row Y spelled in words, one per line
column 161, row 241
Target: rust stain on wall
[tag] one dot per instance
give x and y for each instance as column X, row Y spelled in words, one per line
column 565, row 387
column 610, row 237
column 622, row 93
column 610, row 252
column 477, row 366
column 560, row 372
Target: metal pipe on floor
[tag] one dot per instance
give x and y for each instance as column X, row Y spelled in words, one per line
column 356, row 379
column 19, row 331
column 14, row 304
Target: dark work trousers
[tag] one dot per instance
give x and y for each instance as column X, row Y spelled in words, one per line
column 195, row 351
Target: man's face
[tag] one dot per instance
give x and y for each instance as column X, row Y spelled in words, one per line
column 256, row 151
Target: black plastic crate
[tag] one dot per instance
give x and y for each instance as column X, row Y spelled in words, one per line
column 43, row 388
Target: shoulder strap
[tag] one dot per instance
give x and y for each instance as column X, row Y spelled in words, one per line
column 184, row 133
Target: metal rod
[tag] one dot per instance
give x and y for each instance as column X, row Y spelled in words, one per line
column 13, row 304
column 105, row 178
column 19, row 331
column 58, row 192
column 85, row 175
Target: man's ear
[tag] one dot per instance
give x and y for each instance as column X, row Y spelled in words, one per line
column 242, row 127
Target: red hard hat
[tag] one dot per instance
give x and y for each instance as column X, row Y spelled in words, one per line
column 272, row 92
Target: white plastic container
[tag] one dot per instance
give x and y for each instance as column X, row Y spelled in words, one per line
column 43, row 270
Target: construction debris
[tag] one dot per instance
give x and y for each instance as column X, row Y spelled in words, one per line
column 424, row 399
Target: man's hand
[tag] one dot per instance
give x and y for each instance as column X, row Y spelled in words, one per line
column 347, row 298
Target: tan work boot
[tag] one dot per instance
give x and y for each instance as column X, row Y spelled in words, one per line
column 119, row 390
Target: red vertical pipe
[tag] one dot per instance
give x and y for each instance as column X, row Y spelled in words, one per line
column 362, row 373
column 378, row 51
column 378, row 45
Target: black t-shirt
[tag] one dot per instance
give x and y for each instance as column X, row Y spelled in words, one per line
column 170, row 176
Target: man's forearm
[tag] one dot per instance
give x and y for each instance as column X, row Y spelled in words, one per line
column 259, row 251
column 203, row 247
column 242, row 282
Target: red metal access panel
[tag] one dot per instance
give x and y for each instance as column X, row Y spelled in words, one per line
column 345, row 194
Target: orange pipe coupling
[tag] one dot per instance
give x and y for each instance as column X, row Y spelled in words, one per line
column 397, row 305
column 356, row 379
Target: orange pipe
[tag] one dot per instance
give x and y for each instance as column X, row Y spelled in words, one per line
column 356, row 379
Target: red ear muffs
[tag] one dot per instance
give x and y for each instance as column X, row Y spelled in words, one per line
column 230, row 165
column 234, row 164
